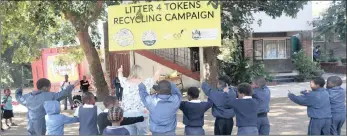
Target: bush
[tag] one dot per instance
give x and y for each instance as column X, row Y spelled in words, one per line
column 240, row 70
column 306, row 67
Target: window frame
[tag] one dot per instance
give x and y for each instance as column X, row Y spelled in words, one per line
column 278, row 39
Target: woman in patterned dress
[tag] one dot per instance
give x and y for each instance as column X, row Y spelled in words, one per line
column 131, row 101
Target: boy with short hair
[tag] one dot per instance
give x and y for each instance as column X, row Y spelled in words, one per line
column 263, row 92
column 162, row 106
column 245, row 107
column 54, row 120
column 318, row 107
column 337, row 102
column 34, row 102
column 103, row 122
column 224, row 116
column 88, row 114
column 115, row 115
column 193, row 112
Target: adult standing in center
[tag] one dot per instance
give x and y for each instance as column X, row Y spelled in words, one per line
column 84, row 84
column 63, row 86
column 131, row 101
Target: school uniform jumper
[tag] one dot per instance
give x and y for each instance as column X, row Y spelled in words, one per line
column 162, row 110
column 338, row 109
column 88, row 120
column 246, row 113
column 103, row 122
column 36, row 112
column 318, row 109
column 193, row 116
column 224, row 116
column 263, row 123
column 54, row 120
column 116, row 130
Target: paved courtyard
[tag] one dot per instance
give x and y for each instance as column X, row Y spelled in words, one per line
column 286, row 117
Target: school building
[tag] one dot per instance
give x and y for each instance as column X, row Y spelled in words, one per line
column 273, row 43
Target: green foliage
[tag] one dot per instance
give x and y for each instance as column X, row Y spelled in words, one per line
column 329, row 57
column 238, row 67
column 306, row 67
column 333, row 20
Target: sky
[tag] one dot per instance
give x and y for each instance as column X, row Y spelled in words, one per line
column 318, row 7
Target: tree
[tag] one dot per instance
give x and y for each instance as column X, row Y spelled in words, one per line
column 48, row 22
column 236, row 19
column 333, row 20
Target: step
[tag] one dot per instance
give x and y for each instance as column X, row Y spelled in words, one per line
column 284, row 80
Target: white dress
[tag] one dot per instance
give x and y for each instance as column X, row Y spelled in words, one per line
column 131, row 101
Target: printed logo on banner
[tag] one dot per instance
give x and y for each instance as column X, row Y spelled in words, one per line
column 149, row 38
column 157, row 25
column 124, row 37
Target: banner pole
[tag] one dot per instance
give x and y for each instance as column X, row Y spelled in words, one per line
column 202, row 69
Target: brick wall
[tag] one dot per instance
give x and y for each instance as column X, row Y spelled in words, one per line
column 305, row 40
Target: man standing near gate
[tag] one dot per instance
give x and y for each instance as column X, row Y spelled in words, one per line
column 63, row 86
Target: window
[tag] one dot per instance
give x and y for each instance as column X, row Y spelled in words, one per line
column 271, row 49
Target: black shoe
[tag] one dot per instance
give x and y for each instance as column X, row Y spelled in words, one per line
column 65, row 108
column 2, row 130
column 71, row 107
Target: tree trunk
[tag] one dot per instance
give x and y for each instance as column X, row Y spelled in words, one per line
column 211, row 64
column 94, row 64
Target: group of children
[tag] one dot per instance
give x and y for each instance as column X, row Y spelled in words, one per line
column 248, row 102
column 325, row 106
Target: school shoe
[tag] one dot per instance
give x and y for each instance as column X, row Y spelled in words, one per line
column 2, row 130
column 13, row 124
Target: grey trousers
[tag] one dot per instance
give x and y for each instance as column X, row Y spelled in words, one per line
column 263, row 125
column 247, row 131
column 194, row 131
column 337, row 121
column 69, row 96
column 319, row 126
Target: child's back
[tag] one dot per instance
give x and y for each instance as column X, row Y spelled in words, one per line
column 337, row 99
column 246, row 108
column 162, row 108
column 338, row 104
column 115, row 130
column 194, row 111
column 264, row 94
column 34, row 102
column 54, row 120
column 88, row 114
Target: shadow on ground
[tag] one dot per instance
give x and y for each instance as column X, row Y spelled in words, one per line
column 286, row 118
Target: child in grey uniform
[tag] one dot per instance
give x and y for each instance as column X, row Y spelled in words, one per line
column 318, row 107
column 34, row 102
column 115, row 115
column 88, row 114
column 263, row 92
column 337, row 102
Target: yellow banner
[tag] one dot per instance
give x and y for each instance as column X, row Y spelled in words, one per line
column 56, row 73
column 164, row 24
